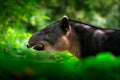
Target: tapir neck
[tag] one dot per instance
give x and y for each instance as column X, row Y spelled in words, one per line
column 75, row 48
column 80, row 36
column 74, row 43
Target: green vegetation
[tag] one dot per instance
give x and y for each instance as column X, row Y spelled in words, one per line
column 19, row 19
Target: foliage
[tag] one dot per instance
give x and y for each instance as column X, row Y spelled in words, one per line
column 20, row 18
column 101, row 67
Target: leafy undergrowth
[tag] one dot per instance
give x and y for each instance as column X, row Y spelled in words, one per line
column 102, row 67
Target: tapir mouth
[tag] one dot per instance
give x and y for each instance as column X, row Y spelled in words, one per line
column 38, row 47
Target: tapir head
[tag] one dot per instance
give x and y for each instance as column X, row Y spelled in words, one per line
column 59, row 36
column 54, row 37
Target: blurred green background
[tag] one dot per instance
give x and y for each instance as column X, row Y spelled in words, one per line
column 19, row 19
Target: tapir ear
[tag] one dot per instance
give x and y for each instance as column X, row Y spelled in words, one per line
column 65, row 23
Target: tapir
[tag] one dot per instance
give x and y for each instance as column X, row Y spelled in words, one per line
column 78, row 38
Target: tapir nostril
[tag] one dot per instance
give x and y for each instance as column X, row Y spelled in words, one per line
column 27, row 46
